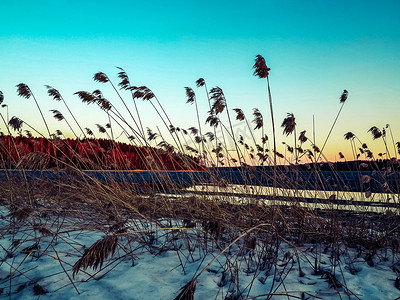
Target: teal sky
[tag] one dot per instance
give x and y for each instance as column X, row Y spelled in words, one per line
column 315, row 50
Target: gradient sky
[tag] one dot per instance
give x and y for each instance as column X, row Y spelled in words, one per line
column 315, row 50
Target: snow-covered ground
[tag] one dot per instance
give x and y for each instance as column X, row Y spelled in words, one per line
column 37, row 264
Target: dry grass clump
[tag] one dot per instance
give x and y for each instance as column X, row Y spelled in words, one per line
column 21, row 213
column 34, row 161
column 201, row 225
column 187, row 292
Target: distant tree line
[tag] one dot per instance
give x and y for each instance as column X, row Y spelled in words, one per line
column 42, row 153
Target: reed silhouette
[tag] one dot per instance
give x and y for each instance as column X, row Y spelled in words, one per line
column 249, row 236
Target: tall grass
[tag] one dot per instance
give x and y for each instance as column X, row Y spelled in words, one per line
column 266, row 232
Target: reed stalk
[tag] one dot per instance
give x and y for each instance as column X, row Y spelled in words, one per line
column 24, row 91
column 262, row 71
column 343, row 99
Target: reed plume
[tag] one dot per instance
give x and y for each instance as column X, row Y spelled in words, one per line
column 210, row 136
column 187, row 291
column 89, row 131
column 200, row 82
column 289, row 124
column 344, row 96
column 193, row 130
column 151, row 135
column 24, row 91
column 15, row 123
column 105, row 105
column 100, row 77
column 289, row 127
column 28, row 134
column 377, row 133
column 190, row 95
column 57, row 115
column 53, row 93
column 102, row 102
column 350, row 137
column 86, row 97
column 95, row 255
column 213, row 120
column 219, row 100
column 369, row 154
column 101, row 128
column 239, row 114
column 258, row 119
column 302, row 137
column 167, row 147
column 260, row 67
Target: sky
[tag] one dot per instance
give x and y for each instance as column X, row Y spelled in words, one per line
column 315, row 50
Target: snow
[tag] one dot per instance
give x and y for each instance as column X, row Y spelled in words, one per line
column 158, row 270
